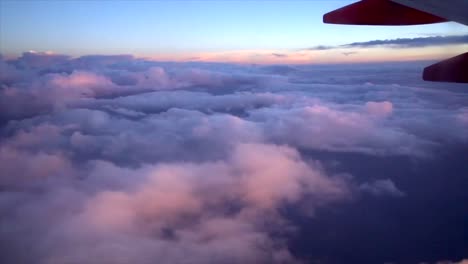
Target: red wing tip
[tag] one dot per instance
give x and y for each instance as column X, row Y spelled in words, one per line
column 379, row 12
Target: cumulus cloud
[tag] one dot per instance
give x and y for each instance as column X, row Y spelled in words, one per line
column 212, row 210
column 33, row 59
column 8, row 73
column 330, row 128
column 113, row 159
column 381, row 188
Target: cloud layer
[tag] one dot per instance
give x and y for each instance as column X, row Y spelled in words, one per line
column 113, row 159
column 402, row 43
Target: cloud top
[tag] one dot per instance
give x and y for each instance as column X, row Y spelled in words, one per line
column 113, row 159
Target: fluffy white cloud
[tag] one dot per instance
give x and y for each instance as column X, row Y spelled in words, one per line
column 212, row 210
column 112, row 159
column 322, row 127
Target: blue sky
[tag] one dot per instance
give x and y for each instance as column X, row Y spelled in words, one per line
column 148, row 28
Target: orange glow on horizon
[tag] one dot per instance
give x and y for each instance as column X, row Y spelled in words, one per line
column 332, row 56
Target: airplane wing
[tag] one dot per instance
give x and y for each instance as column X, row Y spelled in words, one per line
column 453, row 10
column 411, row 12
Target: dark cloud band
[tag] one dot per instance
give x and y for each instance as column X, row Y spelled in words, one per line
column 402, row 43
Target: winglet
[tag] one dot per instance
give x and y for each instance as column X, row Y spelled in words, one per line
column 454, row 69
column 379, row 12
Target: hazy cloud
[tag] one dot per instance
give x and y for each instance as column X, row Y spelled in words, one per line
column 412, row 42
column 321, row 47
column 401, row 43
column 279, row 55
column 349, row 53
column 381, row 188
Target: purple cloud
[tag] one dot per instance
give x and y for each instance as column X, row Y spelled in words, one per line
column 117, row 159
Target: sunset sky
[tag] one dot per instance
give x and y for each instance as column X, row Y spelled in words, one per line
column 226, row 31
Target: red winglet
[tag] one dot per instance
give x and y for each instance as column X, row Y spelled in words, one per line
column 380, row 12
column 450, row 70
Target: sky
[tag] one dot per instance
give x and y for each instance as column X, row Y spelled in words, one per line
column 229, row 31
column 227, row 132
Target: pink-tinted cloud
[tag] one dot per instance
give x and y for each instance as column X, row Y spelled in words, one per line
column 380, row 108
column 167, row 210
column 112, row 159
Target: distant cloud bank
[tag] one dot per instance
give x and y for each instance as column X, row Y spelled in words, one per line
column 401, row 43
